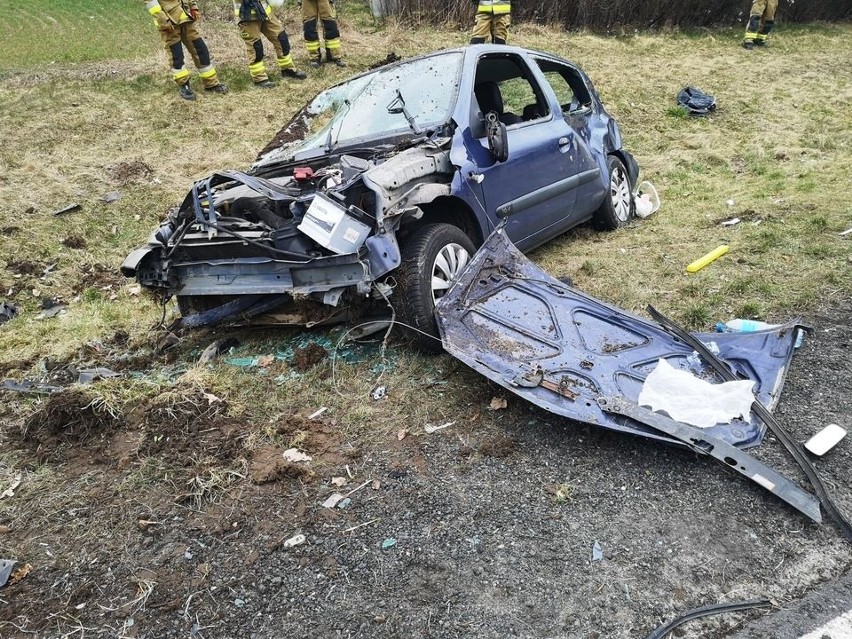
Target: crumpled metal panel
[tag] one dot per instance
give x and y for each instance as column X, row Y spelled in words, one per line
column 561, row 349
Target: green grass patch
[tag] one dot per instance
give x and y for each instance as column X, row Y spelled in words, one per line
column 73, row 31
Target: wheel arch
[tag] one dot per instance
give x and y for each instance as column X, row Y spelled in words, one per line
column 452, row 210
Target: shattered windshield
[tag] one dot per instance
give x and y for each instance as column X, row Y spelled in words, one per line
column 358, row 109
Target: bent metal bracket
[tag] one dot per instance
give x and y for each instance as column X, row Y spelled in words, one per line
column 581, row 358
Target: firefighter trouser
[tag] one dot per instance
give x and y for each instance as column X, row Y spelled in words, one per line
column 186, row 35
column 495, row 26
column 322, row 11
column 274, row 31
column 761, row 20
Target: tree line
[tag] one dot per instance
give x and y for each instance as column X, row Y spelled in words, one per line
column 609, row 15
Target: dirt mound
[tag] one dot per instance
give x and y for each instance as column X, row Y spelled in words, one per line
column 184, row 428
column 66, row 421
column 129, row 172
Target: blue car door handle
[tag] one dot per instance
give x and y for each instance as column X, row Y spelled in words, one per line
column 565, row 143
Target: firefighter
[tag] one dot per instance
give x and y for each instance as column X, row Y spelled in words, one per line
column 493, row 18
column 176, row 20
column 760, row 23
column 313, row 12
column 256, row 17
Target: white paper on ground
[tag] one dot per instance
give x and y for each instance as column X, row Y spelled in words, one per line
column 691, row 400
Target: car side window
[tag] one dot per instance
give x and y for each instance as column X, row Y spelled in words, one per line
column 567, row 84
column 505, row 86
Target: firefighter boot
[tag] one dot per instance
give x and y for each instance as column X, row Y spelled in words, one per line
column 332, row 60
column 751, row 32
column 293, row 74
column 760, row 39
column 220, row 88
column 185, row 92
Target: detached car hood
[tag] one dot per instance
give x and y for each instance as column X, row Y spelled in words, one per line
column 563, row 350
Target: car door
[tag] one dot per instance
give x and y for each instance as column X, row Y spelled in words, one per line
column 577, row 108
column 534, row 188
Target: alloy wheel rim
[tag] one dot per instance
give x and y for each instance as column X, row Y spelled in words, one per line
column 620, row 194
column 450, row 261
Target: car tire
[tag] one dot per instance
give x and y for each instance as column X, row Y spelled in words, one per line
column 432, row 258
column 618, row 207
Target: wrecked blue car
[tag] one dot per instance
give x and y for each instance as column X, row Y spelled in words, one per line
column 382, row 187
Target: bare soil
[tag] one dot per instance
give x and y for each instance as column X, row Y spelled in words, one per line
column 167, row 521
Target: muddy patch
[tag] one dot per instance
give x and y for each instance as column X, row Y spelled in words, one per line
column 268, row 465
column 498, row 446
column 26, row 267
column 100, row 277
column 306, row 358
column 321, row 439
column 129, row 172
column 75, row 242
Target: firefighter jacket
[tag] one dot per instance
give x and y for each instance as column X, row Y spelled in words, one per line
column 168, row 12
column 248, row 10
column 495, row 7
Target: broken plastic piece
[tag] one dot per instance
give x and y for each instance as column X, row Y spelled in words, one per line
column 704, row 260
column 332, row 500
column 6, row 566
column 294, row 541
column 68, row 209
column 303, row 173
column 295, row 455
column 597, row 552
column 825, row 440
column 646, row 199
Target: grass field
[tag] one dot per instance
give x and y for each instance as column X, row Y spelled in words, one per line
column 87, row 108
column 775, row 154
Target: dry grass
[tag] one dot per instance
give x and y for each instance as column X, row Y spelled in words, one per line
column 778, row 147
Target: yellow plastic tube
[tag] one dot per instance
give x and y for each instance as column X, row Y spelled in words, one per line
column 703, row 261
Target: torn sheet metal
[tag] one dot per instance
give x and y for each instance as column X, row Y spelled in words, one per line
column 731, row 456
column 561, row 349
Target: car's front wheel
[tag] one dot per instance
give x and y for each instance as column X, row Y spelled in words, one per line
column 433, row 257
column 618, row 207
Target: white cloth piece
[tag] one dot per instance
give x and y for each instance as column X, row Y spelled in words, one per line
column 688, row 399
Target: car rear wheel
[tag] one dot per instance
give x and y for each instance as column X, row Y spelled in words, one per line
column 618, row 207
column 433, row 257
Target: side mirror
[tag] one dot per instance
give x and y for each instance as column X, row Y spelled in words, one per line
column 498, row 141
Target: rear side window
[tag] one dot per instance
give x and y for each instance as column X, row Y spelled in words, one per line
column 567, row 84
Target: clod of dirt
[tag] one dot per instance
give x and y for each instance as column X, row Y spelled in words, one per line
column 389, row 59
column 75, row 242
column 296, row 129
column 25, row 267
column 129, row 172
column 309, row 356
column 498, row 446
